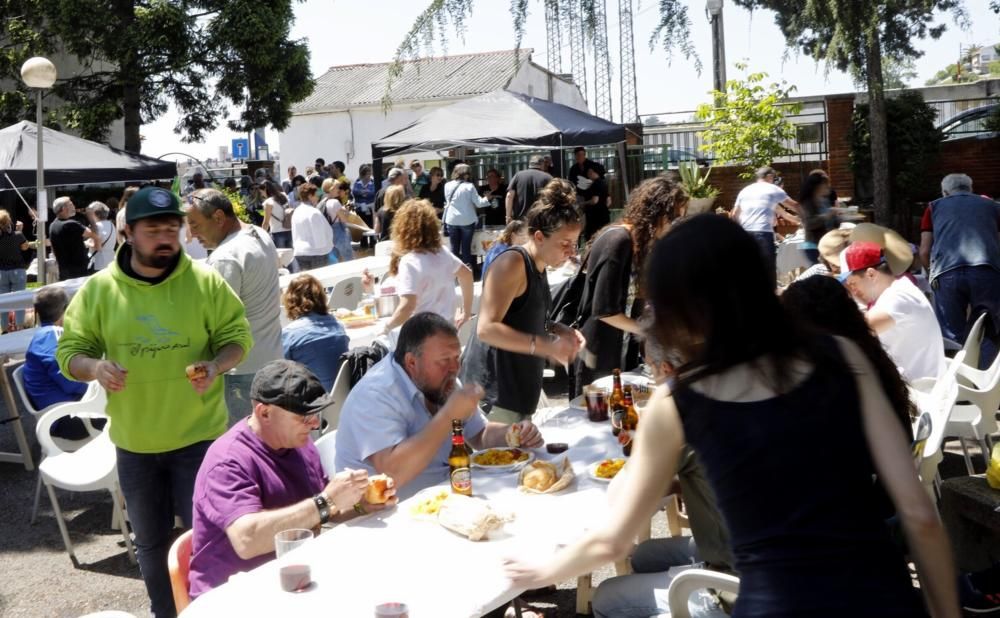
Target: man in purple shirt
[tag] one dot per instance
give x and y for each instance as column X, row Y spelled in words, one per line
column 264, row 475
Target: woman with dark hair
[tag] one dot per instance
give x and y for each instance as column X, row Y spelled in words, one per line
column 513, row 338
column 435, row 190
column 277, row 211
column 120, row 217
column 824, row 304
column 13, row 275
column 790, row 429
column 814, row 199
column 613, row 292
column 461, row 202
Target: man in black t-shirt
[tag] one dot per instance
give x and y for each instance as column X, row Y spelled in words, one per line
column 578, row 176
column 524, row 187
column 67, row 235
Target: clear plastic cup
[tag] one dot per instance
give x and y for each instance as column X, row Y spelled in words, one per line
column 287, row 540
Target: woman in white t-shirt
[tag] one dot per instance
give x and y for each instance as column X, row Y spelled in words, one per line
column 276, row 209
column 423, row 269
column 102, row 250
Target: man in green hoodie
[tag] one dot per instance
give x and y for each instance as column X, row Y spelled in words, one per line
column 156, row 330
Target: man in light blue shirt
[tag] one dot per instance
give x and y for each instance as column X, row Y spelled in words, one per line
column 397, row 419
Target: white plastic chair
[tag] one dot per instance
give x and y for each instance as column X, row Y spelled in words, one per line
column 383, row 248
column 976, row 420
column 974, row 342
column 327, row 447
column 690, row 581
column 341, row 389
column 91, row 468
column 346, row 294
column 935, row 400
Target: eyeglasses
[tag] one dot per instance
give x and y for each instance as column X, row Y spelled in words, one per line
column 307, row 419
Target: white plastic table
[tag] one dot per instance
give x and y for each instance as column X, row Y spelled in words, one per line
column 24, row 299
column 394, row 557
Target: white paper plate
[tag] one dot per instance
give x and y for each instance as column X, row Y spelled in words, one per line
column 508, row 468
column 592, row 471
column 579, row 403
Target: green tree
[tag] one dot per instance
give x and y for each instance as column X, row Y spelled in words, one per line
column 896, row 73
column 443, row 18
column 748, row 123
column 140, row 55
column 914, row 144
column 849, row 34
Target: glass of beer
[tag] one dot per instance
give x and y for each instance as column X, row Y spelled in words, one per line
column 597, row 403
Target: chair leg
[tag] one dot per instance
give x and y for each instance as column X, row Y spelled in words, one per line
column 584, row 594
column 968, row 460
column 22, row 443
column 120, row 512
column 984, row 444
column 673, row 517
column 62, row 525
column 38, row 495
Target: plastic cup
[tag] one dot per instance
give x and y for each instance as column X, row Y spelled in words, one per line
column 287, row 540
column 597, row 403
column 392, row 610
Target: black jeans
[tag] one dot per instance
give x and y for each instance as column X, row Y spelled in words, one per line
column 157, row 486
column 765, row 240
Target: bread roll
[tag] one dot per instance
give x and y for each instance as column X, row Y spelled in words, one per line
column 196, row 372
column 377, row 485
column 514, row 436
column 540, row 477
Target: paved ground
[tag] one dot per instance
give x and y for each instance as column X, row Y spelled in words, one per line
column 39, row 580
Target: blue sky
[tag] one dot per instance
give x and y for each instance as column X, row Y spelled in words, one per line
column 351, row 31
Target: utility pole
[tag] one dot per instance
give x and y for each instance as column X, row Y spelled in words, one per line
column 714, row 10
column 630, row 103
column 602, row 62
column 577, row 49
column 553, row 36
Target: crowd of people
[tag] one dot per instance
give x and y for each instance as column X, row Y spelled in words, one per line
column 212, row 403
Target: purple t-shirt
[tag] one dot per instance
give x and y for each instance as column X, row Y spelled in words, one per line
column 239, row 475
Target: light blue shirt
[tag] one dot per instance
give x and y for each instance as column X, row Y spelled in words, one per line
column 384, row 409
column 461, row 201
column 316, row 341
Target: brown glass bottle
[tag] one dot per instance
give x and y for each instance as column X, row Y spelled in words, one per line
column 630, row 422
column 459, row 462
column 616, row 402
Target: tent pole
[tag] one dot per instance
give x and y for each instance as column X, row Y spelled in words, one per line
column 623, row 160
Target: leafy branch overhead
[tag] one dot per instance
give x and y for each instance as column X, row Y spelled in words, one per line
column 748, row 124
column 138, row 57
column 444, row 18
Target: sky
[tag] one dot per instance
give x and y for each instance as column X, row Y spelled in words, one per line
column 342, row 32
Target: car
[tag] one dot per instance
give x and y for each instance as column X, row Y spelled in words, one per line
column 970, row 123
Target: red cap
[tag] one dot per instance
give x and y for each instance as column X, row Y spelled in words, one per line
column 862, row 255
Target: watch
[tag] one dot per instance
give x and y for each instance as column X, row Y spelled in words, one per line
column 323, row 506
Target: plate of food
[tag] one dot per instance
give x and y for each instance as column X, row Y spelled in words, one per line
column 354, row 319
column 606, row 469
column 503, row 459
column 428, row 503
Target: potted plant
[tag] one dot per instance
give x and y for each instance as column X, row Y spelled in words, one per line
column 696, row 184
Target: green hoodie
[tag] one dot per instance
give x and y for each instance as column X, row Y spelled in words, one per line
column 155, row 332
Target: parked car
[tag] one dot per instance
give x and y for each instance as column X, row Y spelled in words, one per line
column 970, row 123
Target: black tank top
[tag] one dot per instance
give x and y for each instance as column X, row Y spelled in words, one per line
column 513, row 381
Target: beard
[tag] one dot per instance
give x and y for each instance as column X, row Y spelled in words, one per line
column 439, row 394
column 157, row 260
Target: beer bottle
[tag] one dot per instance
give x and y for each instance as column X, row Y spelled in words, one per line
column 629, row 422
column 616, row 402
column 459, row 462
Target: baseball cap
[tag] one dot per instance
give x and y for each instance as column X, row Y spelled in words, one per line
column 290, row 385
column 898, row 253
column 152, row 202
column 859, row 256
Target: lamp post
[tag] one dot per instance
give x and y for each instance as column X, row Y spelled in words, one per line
column 714, row 10
column 39, row 73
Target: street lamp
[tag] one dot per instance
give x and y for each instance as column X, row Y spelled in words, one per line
column 714, row 10
column 39, row 73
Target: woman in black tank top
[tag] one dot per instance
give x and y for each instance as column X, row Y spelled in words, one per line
column 508, row 350
column 791, row 427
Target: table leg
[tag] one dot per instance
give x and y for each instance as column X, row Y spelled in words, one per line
column 673, row 517
column 15, row 418
column 584, row 594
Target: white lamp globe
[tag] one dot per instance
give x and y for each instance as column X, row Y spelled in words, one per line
column 714, row 7
column 38, row 72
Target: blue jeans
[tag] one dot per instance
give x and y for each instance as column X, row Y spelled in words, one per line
column 309, row 262
column 961, row 295
column 14, row 280
column 157, row 486
column 237, row 388
column 765, row 240
column 461, row 242
column 644, row 593
column 282, row 240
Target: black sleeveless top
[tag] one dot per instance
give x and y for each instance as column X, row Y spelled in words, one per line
column 513, row 381
column 794, row 481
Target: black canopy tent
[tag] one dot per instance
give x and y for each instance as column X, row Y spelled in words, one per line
column 70, row 160
column 505, row 120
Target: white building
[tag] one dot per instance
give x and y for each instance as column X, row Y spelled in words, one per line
column 344, row 115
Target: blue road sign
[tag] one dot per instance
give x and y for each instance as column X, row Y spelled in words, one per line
column 241, row 148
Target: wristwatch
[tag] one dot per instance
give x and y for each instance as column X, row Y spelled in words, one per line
column 323, row 506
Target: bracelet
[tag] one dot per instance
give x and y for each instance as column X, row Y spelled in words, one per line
column 531, row 350
column 323, row 506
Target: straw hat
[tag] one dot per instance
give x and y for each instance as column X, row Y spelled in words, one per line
column 898, row 253
column 832, row 243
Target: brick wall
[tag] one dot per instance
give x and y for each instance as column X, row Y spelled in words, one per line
column 839, row 111
column 979, row 158
column 729, row 183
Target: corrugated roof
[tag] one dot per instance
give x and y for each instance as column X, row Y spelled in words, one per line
column 426, row 79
